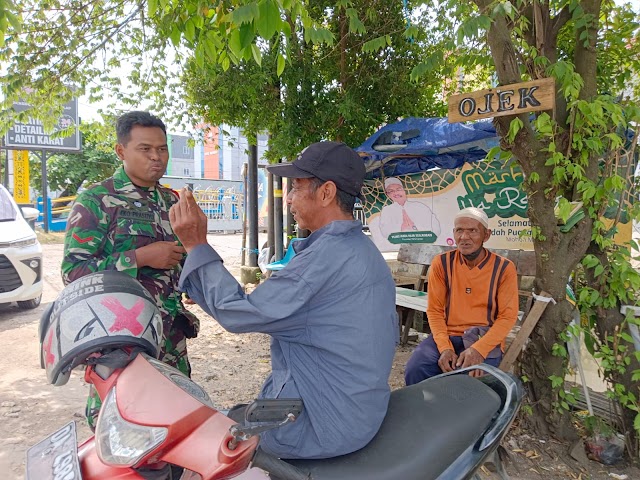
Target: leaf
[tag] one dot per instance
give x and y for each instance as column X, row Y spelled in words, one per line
column 257, row 54
column 245, row 14
column 268, row 19
column 285, row 28
column 355, row 24
column 514, row 127
column 418, row 71
column 152, row 7
column 247, row 35
column 175, row 35
column 234, row 43
column 14, row 20
column 411, row 32
column 190, row 30
column 374, row 45
column 281, row 64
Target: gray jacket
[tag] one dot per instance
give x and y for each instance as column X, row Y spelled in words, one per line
column 331, row 315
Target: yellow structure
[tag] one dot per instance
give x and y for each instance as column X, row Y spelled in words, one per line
column 21, row 176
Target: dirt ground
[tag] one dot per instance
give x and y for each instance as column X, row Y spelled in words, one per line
column 230, row 367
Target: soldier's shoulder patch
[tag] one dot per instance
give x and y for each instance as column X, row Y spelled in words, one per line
column 80, row 239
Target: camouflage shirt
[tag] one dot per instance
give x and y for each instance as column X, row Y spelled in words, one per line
column 108, row 222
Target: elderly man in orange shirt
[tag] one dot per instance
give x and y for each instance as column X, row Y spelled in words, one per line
column 472, row 303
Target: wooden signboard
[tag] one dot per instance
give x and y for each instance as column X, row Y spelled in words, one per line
column 504, row 100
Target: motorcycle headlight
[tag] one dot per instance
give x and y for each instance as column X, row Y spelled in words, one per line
column 121, row 443
column 182, row 381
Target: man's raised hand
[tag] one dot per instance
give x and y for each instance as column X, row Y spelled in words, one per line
column 188, row 221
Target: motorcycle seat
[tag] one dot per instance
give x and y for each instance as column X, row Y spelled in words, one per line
column 426, row 428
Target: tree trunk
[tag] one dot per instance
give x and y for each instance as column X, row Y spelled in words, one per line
column 557, row 253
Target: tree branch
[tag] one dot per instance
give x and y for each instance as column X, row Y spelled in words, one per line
column 559, row 21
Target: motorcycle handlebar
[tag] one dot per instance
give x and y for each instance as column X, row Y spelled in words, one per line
column 278, row 469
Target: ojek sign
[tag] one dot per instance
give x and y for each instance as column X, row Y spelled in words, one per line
column 504, row 100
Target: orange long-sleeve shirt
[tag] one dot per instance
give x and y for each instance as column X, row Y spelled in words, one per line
column 486, row 294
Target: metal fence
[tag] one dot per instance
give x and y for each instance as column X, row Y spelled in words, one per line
column 223, row 208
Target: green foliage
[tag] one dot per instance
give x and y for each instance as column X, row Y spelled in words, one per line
column 619, row 283
column 62, row 48
column 68, row 172
column 342, row 91
column 597, row 426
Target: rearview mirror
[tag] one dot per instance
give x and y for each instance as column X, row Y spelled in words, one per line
column 30, row 213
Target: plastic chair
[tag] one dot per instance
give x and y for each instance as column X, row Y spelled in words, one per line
column 290, row 253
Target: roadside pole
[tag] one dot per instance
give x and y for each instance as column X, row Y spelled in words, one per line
column 45, row 193
column 278, row 220
column 270, row 217
column 252, row 205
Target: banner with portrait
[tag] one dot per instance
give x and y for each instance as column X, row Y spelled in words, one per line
column 420, row 208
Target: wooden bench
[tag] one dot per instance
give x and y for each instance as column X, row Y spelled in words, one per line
column 423, row 254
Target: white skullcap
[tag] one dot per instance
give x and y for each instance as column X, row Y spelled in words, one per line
column 475, row 214
column 392, row 181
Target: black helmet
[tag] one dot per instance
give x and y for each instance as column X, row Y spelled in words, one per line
column 104, row 310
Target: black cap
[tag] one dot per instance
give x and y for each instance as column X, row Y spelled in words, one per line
column 328, row 161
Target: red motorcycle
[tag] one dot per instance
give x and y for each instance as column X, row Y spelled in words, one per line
column 154, row 418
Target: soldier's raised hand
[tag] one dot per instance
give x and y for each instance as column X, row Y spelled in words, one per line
column 160, row 255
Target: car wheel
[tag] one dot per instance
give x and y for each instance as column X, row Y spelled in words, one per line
column 29, row 304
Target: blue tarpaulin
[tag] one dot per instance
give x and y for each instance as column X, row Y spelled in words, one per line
column 417, row 144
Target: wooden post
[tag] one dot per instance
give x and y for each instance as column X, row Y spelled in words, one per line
column 529, row 323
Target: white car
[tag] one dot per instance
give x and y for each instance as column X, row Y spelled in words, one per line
column 20, row 254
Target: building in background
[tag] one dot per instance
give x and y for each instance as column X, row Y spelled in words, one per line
column 181, row 156
column 198, row 159
column 225, row 150
column 234, row 151
column 211, row 152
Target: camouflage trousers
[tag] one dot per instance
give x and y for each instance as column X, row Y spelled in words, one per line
column 173, row 352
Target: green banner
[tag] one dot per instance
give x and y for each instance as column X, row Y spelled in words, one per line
column 412, row 237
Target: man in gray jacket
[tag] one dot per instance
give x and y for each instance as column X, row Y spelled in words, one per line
column 330, row 312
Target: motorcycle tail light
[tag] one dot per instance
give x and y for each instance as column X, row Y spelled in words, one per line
column 120, row 443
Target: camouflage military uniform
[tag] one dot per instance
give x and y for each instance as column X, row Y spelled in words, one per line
column 106, row 224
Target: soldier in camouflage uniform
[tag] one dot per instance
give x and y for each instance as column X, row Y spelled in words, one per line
column 123, row 224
